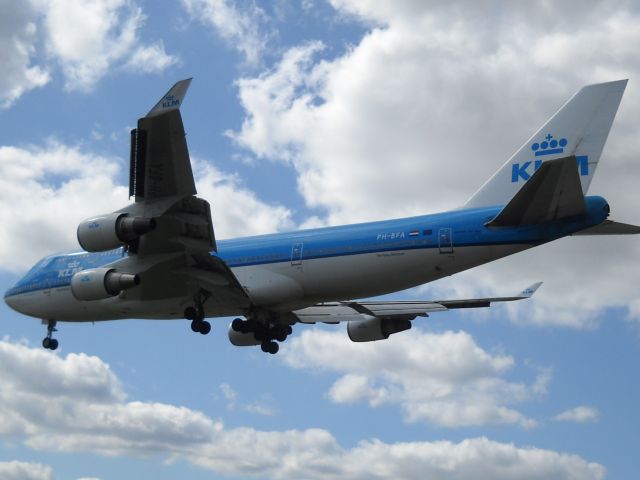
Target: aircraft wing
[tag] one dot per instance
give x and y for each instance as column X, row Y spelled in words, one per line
column 336, row 312
column 182, row 241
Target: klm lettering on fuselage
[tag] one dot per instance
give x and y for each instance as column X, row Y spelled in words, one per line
column 72, row 268
column 550, row 146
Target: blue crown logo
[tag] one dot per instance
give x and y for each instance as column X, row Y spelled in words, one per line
column 550, row 146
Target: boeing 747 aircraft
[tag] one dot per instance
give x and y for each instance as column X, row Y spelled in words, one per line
column 158, row 258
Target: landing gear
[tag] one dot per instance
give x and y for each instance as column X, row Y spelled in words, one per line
column 196, row 315
column 270, row 347
column 200, row 326
column 49, row 342
column 265, row 332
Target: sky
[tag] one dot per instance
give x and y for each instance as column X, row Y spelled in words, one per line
column 310, row 113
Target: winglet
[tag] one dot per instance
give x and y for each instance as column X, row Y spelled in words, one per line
column 529, row 291
column 172, row 99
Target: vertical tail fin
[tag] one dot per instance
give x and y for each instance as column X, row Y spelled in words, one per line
column 579, row 128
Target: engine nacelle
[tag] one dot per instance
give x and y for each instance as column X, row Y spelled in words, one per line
column 371, row 329
column 101, row 283
column 107, row 232
column 240, row 339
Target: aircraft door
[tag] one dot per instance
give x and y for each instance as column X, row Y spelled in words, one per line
column 296, row 254
column 445, row 240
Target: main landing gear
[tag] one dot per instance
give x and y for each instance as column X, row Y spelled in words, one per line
column 196, row 315
column 48, row 342
column 265, row 333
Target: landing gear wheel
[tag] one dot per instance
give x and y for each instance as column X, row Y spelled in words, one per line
column 279, row 333
column 205, row 327
column 48, row 342
column 201, row 326
column 238, row 325
column 270, row 347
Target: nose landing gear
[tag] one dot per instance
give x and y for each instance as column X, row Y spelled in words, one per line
column 49, row 342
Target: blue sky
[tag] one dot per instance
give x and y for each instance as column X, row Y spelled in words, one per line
column 308, row 113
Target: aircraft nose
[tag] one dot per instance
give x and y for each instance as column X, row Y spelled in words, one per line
column 10, row 301
column 14, row 303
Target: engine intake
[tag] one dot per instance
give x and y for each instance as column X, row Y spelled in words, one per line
column 107, row 232
column 371, row 329
column 101, row 283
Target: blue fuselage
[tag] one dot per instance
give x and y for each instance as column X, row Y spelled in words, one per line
column 334, row 263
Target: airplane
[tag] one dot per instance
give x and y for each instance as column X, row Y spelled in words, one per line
column 158, row 257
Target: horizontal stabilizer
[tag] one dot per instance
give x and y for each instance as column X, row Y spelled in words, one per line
column 553, row 192
column 609, row 227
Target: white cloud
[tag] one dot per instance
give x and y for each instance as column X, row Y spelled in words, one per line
column 151, row 58
column 56, row 187
column 430, row 102
column 87, row 38
column 47, row 180
column 238, row 24
column 15, row 470
column 444, row 379
column 231, row 396
column 236, row 210
column 580, row 414
column 87, row 411
column 18, row 38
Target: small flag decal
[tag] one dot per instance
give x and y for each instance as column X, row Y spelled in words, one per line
column 414, row 233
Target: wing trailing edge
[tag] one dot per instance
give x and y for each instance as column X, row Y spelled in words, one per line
column 348, row 311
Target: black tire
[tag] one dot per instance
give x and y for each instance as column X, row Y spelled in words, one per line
column 279, row 333
column 205, row 327
column 190, row 313
column 273, row 348
column 53, row 344
column 265, row 347
column 238, row 325
column 195, row 326
column 289, row 330
column 46, row 343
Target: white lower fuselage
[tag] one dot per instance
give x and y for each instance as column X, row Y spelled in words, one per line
column 280, row 286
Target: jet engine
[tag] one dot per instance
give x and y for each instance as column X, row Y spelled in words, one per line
column 107, row 232
column 101, row 283
column 371, row 329
column 240, row 339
